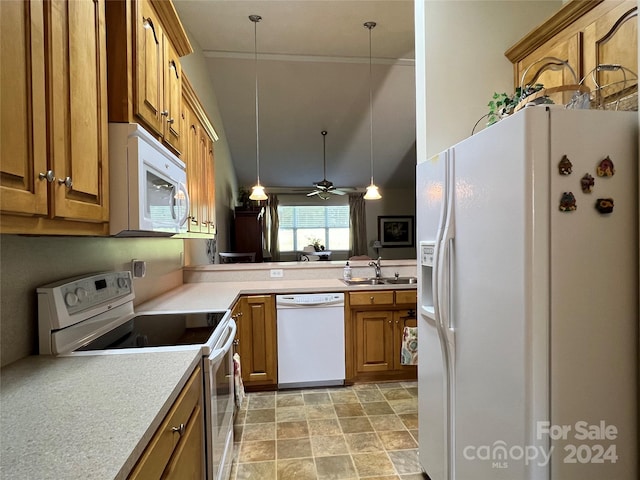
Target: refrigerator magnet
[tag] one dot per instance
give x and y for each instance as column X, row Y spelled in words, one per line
column 565, row 166
column 604, row 205
column 586, row 182
column 605, row 168
column 567, row 202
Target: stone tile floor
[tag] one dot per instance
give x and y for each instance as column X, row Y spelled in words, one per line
column 367, row 431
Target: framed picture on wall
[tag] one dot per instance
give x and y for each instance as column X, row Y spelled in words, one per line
column 396, row 231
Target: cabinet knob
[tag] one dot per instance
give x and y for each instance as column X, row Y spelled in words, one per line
column 236, row 316
column 236, row 342
column 390, row 322
column 171, row 121
column 49, row 176
column 66, row 182
column 164, row 113
column 371, row 299
column 179, row 430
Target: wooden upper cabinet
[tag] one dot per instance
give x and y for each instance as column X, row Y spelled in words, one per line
column 585, row 34
column 199, row 157
column 612, row 39
column 54, row 117
column 172, row 96
column 145, row 42
column 23, row 143
column 77, row 114
column 149, row 56
column 535, row 68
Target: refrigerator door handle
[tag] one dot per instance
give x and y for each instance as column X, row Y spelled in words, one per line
column 448, row 236
column 447, row 334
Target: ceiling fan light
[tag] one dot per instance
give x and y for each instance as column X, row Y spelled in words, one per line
column 372, row 193
column 257, row 193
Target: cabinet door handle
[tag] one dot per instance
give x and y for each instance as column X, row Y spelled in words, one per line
column 172, row 66
column 49, row 176
column 148, row 23
column 371, row 299
column 66, row 182
column 179, row 430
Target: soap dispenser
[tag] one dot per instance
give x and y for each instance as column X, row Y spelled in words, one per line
column 346, row 274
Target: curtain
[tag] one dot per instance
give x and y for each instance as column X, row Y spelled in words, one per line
column 357, row 225
column 273, row 226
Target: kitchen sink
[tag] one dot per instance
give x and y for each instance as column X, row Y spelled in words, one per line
column 399, row 280
column 381, row 281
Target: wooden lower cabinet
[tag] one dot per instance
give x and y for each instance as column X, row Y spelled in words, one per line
column 257, row 341
column 375, row 324
column 177, row 450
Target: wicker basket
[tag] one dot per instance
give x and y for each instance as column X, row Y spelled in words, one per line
column 616, row 95
column 574, row 95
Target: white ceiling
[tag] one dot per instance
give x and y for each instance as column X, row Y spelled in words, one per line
column 313, row 75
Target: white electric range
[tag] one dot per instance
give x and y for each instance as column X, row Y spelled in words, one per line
column 94, row 315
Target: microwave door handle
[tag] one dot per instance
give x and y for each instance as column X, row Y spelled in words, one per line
column 187, row 203
column 172, row 195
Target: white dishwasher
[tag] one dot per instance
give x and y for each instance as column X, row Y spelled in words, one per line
column 310, row 340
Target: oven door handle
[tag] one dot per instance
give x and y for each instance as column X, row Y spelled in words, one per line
column 220, row 352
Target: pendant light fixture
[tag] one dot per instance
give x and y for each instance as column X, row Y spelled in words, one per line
column 257, row 191
column 372, row 190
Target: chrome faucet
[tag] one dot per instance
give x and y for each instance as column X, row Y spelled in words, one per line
column 376, row 266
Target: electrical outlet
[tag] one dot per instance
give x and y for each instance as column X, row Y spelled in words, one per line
column 139, row 268
column 276, row 273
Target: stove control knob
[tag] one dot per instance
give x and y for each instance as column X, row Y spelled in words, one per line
column 123, row 282
column 82, row 294
column 71, row 299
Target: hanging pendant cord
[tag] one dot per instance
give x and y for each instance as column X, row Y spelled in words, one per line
column 255, row 19
column 369, row 26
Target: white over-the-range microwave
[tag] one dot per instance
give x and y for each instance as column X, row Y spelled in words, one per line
column 148, row 193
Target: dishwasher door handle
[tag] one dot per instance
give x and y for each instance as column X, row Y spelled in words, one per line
column 314, row 300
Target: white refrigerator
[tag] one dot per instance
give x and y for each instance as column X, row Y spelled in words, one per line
column 528, row 293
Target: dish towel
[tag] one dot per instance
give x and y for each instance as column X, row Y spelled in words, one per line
column 237, row 379
column 409, row 350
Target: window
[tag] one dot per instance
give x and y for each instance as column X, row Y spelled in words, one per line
column 302, row 225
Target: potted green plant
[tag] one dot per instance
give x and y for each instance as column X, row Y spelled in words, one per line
column 503, row 105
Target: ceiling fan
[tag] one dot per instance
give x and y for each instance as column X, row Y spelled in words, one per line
column 325, row 187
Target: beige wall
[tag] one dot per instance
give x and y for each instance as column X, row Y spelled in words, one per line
column 29, row 262
column 463, row 43
column 195, row 68
column 393, row 202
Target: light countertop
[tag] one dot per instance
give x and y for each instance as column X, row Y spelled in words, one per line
column 83, row 417
column 91, row 416
column 215, row 296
